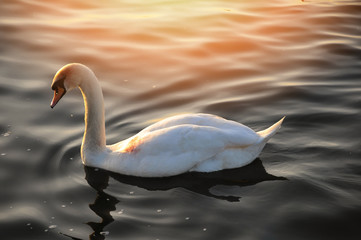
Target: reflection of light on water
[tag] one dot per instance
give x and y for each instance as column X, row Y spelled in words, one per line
column 167, row 39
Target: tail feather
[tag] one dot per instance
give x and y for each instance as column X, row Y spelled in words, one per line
column 269, row 132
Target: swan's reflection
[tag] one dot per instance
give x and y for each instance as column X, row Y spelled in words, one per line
column 200, row 183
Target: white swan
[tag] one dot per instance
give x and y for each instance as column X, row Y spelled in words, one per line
column 175, row 145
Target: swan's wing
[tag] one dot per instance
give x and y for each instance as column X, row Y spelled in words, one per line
column 199, row 119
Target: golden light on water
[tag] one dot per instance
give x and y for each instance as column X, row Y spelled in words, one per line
column 170, row 39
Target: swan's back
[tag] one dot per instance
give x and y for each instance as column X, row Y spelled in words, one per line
column 199, row 119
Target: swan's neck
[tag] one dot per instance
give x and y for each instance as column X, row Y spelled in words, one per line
column 94, row 134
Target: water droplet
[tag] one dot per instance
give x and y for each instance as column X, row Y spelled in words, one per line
column 159, row 210
column 204, row 229
column 187, row 218
column 46, row 230
column 7, row 134
column 71, row 159
column 28, row 224
column 104, row 233
column 71, row 229
column 28, row 150
column 71, row 115
column 131, row 193
column 63, row 206
column 3, row 154
column 52, row 226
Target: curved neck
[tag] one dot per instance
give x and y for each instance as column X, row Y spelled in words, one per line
column 94, row 134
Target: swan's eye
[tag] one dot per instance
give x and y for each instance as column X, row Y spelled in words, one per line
column 59, row 90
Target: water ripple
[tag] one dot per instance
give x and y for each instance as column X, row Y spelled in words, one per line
column 252, row 62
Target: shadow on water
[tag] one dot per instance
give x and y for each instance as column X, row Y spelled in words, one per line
column 200, row 183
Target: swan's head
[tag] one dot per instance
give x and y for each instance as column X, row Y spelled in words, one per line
column 67, row 78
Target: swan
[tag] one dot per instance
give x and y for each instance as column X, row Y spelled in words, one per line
column 175, row 145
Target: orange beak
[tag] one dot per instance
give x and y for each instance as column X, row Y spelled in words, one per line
column 58, row 94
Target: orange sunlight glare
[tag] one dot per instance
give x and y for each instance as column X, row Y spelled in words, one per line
column 164, row 39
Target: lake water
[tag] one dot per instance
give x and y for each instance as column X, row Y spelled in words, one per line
column 249, row 61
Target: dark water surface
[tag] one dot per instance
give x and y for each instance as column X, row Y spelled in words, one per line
column 250, row 61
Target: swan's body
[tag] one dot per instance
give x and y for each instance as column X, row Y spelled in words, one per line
column 175, row 145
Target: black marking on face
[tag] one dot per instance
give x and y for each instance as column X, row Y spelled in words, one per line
column 59, row 83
